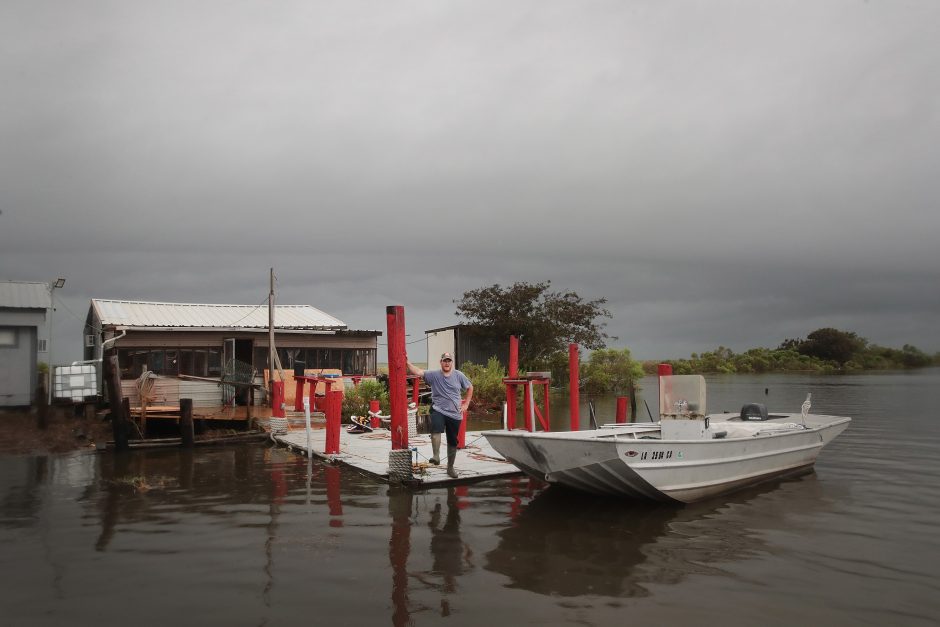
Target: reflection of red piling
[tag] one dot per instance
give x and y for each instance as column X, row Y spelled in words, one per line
column 333, row 497
column 515, row 507
column 461, row 492
column 462, row 434
column 621, row 409
column 374, row 422
column 399, row 546
column 280, row 485
column 334, row 411
column 277, row 399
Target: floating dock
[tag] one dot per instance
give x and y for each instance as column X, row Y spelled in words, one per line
column 368, row 452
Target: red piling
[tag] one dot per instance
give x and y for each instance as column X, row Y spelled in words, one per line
column 621, row 409
column 462, row 434
column 299, row 395
column 374, row 408
column 527, row 409
column 277, row 399
column 574, row 382
column 511, row 389
column 334, row 408
column 397, row 375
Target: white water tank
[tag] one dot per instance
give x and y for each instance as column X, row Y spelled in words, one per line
column 75, row 383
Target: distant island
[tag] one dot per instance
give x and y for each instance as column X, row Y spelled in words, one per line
column 823, row 350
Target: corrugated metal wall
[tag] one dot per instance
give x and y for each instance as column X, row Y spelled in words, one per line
column 169, row 391
column 475, row 346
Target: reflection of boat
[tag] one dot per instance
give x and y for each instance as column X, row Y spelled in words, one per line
column 569, row 544
column 687, row 456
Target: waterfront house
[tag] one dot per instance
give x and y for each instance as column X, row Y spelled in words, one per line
column 25, row 314
column 199, row 340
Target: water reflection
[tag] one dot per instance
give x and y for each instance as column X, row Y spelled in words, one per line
column 565, row 543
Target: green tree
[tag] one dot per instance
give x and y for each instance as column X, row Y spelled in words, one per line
column 546, row 321
column 611, row 371
column 833, row 345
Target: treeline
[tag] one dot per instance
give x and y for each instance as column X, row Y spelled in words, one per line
column 823, row 350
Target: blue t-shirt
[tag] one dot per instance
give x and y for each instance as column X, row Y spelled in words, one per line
column 446, row 391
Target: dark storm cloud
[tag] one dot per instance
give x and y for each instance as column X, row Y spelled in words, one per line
column 722, row 172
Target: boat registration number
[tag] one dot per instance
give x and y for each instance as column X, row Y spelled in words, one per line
column 654, row 455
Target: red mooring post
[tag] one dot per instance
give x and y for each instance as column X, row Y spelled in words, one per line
column 397, row 375
column 511, row 389
column 334, row 416
column 574, row 382
column 299, row 395
column 415, row 390
column 277, row 399
column 462, row 434
column 375, row 407
column 621, row 409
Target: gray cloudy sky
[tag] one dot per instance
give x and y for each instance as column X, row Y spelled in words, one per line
column 723, row 172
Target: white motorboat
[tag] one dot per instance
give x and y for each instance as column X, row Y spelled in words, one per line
column 687, row 456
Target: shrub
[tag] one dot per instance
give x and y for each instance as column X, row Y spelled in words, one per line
column 356, row 400
column 489, row 391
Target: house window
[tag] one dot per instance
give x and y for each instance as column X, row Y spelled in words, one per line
column 41, row 345
column 215, row 362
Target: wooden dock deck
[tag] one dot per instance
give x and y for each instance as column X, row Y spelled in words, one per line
column 368, row 452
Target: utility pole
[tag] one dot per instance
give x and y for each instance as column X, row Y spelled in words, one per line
column 50, row 377
column 271, row 339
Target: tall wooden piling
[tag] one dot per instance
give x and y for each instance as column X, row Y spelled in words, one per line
column 574, row 385
column 397, row 376
column 334, row 416
column 621, row 409
column 118, row 417
column 187, row 435
column 511, row 389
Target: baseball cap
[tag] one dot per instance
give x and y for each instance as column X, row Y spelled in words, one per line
column 446, row 356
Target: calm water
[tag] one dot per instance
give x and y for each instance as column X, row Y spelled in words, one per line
column 256, row 536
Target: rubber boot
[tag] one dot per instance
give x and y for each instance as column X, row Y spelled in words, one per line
column 451, row 456
column 436, row 448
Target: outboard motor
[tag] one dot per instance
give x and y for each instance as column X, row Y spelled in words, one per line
column 754, row 411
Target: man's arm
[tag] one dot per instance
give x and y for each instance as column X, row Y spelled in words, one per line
column 465, row 403
column 413, row 369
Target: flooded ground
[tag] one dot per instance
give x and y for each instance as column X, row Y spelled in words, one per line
column 253, row 535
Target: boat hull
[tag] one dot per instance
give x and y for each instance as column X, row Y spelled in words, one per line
column 623, row 462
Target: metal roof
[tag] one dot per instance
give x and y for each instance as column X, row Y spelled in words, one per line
column 126, row 313
column 25, row 295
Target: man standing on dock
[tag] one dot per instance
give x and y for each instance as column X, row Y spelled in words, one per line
column 447, row 407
